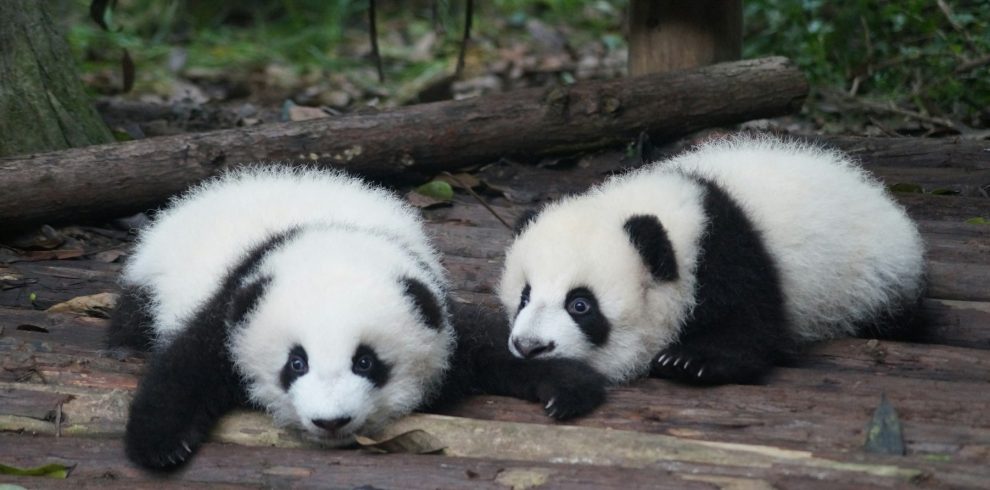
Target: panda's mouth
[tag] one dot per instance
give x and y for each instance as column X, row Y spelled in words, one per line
column 329, row 438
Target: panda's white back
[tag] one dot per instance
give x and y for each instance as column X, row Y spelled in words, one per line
column 182, row 258
column 844, row 249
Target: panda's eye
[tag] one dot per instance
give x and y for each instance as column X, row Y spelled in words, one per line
column 524, row 298
column 364, row 364
column 298, row 365
column 579, row 306
column 367, row 364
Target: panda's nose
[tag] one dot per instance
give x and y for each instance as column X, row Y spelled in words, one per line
column 331, row 424
column 529, row 348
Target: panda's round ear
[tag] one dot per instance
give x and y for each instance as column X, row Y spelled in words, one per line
column 528, row 216
column 425, row 302
column 654, row 247
column 244, row 299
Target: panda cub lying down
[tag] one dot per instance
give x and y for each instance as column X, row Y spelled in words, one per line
column 316, row 297
column 710, row 267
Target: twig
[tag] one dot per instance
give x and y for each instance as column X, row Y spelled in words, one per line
column 373, row 30
column 947, row 11
column 479, row 199
column 882, row 127
column 912, row 114
column 58, row 420
column 972, row 64
column 468, row 14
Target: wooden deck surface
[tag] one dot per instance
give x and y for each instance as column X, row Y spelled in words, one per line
column 64, row 400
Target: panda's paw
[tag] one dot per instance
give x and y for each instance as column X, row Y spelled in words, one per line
column 571, row 389
column 162, row 454
column 694, row 366
column 675, row 363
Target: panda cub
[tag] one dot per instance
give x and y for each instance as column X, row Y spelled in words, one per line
column 309, row 294
column 710, row 267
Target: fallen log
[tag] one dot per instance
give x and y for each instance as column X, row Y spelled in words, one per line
column 422, row 139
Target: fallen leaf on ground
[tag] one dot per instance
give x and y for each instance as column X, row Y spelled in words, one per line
column 416, row 441
column 98, row 305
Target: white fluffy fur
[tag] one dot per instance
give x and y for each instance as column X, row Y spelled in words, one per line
column 845, row 251
column 334, row 286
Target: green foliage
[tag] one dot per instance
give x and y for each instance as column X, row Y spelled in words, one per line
column 908, row 51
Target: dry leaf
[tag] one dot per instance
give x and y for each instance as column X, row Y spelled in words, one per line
column 98, row 305
column 416, row 441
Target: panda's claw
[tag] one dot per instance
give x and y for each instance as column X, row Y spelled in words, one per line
column 550, row 403
column 701, row 371
column 661, row 359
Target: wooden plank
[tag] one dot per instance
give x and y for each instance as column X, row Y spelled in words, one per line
column 99, row 462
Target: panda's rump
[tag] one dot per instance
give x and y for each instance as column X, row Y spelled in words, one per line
column 847, row 254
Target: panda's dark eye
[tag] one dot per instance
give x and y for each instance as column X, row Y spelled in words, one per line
column 367, row 364
column 298, row 365
column 579, row 306
column 524, row 298
column 364, row 364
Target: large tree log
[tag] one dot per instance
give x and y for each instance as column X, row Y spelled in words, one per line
column 423, row 138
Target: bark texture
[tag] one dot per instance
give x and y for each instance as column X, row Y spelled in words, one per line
column 666, row 35
column 43, row 106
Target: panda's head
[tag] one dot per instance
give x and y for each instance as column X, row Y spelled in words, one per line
column 336, row 344
column 585, row 280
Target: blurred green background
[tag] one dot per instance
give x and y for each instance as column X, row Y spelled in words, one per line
column 925, row 57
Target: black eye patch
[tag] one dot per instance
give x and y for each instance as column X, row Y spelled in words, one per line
column 582, row 305
column 296, row 365
column 366, row 363
column 523, row 299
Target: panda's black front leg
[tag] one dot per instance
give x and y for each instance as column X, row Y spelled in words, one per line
column 566, row 388
column 732, row 352
column 483, row 364
column 185, row 390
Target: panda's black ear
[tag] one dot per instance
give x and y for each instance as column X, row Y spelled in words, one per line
column 651, row 241
column 425, row 301
column 244, row 299
column 524, row 219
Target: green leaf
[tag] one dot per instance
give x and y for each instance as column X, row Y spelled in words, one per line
column 883, row 433
column 48, row 470
column 905, row 188
column 942, row 191
column 978, row 221
column 436, row 189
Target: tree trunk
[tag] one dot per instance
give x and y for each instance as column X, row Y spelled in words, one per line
column 666, row 35
column 43, row 105
column 416, row 140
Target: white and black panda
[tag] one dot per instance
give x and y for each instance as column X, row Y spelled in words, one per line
column 710, row 267
column 309, row 294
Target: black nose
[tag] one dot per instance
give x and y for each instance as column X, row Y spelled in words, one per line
column 530, row 348
column 331, row 424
